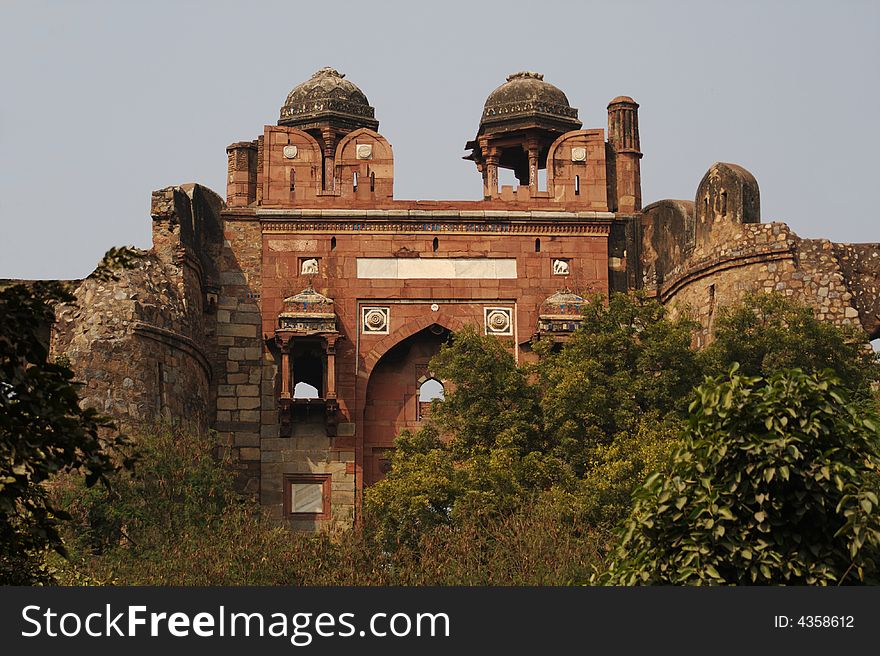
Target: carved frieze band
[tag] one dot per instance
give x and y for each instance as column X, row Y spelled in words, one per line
column 462, row 227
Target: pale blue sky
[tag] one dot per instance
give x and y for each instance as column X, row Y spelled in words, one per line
column 102, row 102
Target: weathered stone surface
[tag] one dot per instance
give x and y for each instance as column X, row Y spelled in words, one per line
column 237, row 304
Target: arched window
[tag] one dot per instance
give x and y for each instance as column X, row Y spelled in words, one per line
column 354, row 182
column 538, row 245
column 577, row 185
column 372, row 181
column 305, row 391
column 436, row 244
column 332, row 243
column 292, row 180
column 429, row 390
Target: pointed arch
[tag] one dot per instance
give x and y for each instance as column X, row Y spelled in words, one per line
column 374, row 166
column 343, row 149
column 408, row 329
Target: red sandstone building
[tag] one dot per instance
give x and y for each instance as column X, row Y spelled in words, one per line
column 359, row 289
column 298, row 318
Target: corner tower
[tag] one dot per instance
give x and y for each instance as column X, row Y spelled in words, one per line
column 624, row 175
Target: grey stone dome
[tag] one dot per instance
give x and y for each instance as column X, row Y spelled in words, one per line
column 527, row 94
column 327, row 95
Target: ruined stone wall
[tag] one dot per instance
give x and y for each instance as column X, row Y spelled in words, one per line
column 860, row 266
column 143, row 343
column 129, row 342
column 667, row 239
column 743, row 258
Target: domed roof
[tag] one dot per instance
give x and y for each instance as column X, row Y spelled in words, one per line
column 327, row 95
column 527, row 94
column 623, row 99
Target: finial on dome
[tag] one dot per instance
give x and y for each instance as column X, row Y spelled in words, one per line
column 522, row 75
column 328, row 71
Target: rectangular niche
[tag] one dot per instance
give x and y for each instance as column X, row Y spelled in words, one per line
column 433, row 268
column 307, row 496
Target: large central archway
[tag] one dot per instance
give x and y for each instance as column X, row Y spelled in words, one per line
column 392, row 403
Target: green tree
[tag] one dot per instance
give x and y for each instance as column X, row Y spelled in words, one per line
column 506, row 435
column 628, row 359
column 767, row 333
column 43, row 431
column 490, row 396
column 177, row 519
column 482, row 452
column 776, row 483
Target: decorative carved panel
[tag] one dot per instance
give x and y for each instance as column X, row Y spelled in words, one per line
column 375, row 320
column 498, row 321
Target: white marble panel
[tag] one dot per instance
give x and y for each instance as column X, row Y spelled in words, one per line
column 376, row 267
column 463, row 268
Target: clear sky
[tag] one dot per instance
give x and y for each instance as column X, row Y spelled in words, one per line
column 102, row 102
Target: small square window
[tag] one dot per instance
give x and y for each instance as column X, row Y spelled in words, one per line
column 307, row 496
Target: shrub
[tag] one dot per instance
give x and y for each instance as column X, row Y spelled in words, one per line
column 776, row 482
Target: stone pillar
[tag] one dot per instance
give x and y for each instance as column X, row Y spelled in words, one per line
column 491, row 190
column 330, row 347
column 241, row 180
column 329, row 183
column 532, row 147
column 285, row 370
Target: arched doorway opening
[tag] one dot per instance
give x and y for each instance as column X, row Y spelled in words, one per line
column 393, row 399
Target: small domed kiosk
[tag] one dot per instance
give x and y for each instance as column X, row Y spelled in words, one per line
column 520, row 120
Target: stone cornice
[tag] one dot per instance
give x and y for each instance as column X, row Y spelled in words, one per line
column 450, row 214
column 436, row 225
column 432, row 221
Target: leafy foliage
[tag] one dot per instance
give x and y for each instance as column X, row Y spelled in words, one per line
column 604, row 497
column 118, row 257
column 43, row 431
column 777, row 482
column 767, row 333
column 507, row 435
column 482, row 454
column 627, row 360
column 176, row 519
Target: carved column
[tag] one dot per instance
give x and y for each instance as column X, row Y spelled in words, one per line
column 286, row 372
column 329, row 160
column 491, row 190
column 532, row 147
column 330, row 347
